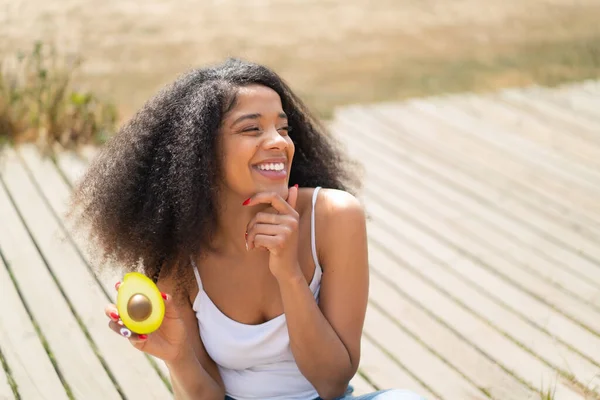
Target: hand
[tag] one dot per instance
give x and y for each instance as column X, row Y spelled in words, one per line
column 276, row 232
column 168, row 342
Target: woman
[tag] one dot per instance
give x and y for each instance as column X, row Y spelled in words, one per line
column 214, row 190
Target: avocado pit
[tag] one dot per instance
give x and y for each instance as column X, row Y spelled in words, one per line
column 139, row 307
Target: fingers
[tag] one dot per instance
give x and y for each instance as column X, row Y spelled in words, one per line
column 265, row 218
column 282, row 206
column 263, row 229
column 111, row 312
column 272, row 243
column 119, row 328
column 117, row 325
column 270, row 225
column 171, row 310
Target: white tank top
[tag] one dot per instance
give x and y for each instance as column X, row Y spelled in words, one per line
column 255, row 361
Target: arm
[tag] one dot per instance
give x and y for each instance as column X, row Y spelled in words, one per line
column 194, row 375
column 325, row 340
column 328, row 353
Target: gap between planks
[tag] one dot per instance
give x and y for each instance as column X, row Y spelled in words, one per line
column 23, row 352
column 130, row 368
column 512, row 213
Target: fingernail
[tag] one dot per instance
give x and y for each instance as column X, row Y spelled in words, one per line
column 164, row 296
column 117, row 285
column 296, row 186
column 246, row 246
column 125, row 332
column 143, row 337
column 246, row 202
column 114, row 316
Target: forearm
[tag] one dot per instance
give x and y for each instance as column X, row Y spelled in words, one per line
column 320, row 354
column 190, row 380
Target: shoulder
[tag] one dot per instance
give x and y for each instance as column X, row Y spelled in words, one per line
column 338, row 207
column 340, row 220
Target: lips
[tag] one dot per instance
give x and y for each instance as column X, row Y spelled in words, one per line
column 272, row 169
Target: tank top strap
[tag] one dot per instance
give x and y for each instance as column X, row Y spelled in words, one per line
column 196, row 273
column 313, row 241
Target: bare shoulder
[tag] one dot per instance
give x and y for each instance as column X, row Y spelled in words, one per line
column 331, row 202
column 337, row 210
column 340, row 221
column 336, row 203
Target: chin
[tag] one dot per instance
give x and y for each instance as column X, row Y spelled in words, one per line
column 280, row 188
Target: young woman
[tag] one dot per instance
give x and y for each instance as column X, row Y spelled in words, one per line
column 231, row 196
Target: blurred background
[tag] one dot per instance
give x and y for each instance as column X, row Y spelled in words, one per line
column 332, row 52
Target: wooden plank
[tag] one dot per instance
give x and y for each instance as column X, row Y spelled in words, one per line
column 468, row 178
column 5, row 390
column 577, row 99
column 25, row 355
column 429, row 168
column 585, row 190
column 468, row 141
column 488, row 134
column 475, row 228
column 499, row 334
column 436, row 374
column 131, row 369
column 543, row 197
column 532, row 308
column 72, row 167
column 77, row 362
column 523, row 125
column 590, row 85
column 577, row 124
column 501, row 258
column 386, row 373
column 442, row 339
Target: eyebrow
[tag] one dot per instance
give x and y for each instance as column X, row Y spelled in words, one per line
column 255, row 116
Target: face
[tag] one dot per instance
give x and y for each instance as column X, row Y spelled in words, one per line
column 257, row 151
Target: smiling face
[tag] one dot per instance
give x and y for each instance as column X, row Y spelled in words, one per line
column 257, row 151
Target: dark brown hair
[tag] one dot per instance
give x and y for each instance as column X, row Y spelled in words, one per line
column 148, row 199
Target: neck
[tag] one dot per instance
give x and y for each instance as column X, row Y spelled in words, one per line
column 232, row 221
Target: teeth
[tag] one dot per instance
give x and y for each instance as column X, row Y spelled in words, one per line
column 271, row 167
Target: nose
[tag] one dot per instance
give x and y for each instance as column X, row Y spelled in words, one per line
column 274, row 140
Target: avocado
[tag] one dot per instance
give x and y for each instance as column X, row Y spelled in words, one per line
column 140, row 304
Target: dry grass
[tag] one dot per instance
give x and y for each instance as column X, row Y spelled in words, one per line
column 38, row 102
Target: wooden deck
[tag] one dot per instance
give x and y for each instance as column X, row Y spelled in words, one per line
column 484, row 247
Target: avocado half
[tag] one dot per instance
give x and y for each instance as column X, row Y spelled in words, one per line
column 140, row 304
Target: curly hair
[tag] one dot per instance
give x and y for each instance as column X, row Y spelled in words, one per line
column 149, row 197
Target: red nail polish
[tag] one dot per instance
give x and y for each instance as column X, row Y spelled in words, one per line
column 114, row 316
column 296, row 186
column 246, row 202
column 117, row 285
column 164, row 295
column 143, row 337
column 246, row 234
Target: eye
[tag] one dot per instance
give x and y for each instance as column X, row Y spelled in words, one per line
column 286, row 129
column 251, row 129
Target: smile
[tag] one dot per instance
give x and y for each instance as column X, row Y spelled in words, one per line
column 271, row 170
column 271, row 167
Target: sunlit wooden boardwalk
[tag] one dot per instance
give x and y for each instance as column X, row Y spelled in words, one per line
column 484, row 248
